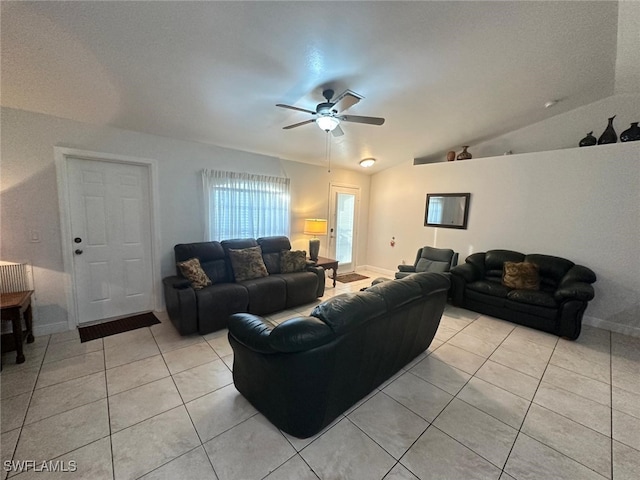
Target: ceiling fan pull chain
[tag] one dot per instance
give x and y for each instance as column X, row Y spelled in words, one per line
column 328, row 150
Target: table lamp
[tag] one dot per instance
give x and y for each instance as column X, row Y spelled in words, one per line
column 315, row 227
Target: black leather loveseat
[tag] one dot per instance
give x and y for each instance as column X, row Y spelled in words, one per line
column 557, row 306
column 305, row 372
column 207, row 309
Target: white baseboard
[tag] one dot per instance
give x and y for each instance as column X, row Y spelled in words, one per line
column 611, row 326
column 370, row 268
column 60, row 327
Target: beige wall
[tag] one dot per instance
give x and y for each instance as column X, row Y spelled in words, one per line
column 29, row 194
column 580, row 203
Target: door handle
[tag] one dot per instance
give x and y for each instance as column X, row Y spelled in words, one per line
column 78, row 252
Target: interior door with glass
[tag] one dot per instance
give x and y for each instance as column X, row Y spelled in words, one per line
column 344, row 202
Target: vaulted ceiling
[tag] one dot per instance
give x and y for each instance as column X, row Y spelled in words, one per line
column 443, row 74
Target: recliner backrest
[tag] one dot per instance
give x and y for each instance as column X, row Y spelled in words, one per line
column 437, row 260
column 272, row 248
column 212, row 258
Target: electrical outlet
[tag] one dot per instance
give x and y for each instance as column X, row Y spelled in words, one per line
column 34, row 235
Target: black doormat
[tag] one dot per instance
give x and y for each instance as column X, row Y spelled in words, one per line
column 117, row 326
column 350, row 277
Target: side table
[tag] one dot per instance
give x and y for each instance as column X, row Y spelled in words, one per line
column 15, row 307
column 329, row 263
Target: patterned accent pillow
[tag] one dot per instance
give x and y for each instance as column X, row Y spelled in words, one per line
column 192, row 270
column 521, row 275
column 293, row 261
column 247, row 263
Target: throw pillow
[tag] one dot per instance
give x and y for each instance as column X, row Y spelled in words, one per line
column 247, row 263
column 192, row 271
column 293, row 261
column 521, row 275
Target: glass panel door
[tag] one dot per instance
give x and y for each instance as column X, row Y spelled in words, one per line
column 342, row 231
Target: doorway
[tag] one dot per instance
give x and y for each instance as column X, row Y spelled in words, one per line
column 344, row 203
column 108, row 235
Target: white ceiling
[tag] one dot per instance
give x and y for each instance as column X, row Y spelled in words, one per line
column 443, row 74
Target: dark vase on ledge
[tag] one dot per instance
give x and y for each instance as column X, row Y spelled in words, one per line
column 588, row 141
column 632, row 134
column 464, row 155
column 609, row 135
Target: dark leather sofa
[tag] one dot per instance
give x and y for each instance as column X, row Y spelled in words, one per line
column 208, row 309
column 305, row 372
column 557, row 307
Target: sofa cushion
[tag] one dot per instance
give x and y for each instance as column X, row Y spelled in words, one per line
column 541, row 299
column 521, row 275
column 293, row 261
column 247, row 263
column 552, row 269
column 529, row 309
column 425, row 265
column 486, row 287
column 301, row 287
column 192, row 271
column 216, row 302
column 266, row 294
column 494, row 261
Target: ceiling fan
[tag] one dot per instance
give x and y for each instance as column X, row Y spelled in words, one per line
column 328, row 115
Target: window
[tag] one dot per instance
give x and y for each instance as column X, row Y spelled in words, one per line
column 242, row 205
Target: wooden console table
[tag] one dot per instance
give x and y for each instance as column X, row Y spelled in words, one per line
column 15, row 307
column 329, row 263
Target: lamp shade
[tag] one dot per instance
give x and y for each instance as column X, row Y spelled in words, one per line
column 315, row 226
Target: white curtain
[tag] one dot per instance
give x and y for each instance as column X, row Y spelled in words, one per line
column 243, row 205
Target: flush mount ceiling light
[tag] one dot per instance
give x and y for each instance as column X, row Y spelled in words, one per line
column 367, row 162
column 327, row 123
column 550, row 103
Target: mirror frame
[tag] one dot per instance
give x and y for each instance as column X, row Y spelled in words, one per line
column 463, row 225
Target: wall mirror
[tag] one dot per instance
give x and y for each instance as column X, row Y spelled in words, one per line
column 447, row 210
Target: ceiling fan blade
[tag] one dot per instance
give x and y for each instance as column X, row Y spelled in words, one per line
column 291, row 107
column 298, row 124
column 346, row 99
column 337, row 132
column 359, row 119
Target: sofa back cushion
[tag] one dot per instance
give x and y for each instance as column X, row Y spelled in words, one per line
column 271, row 249
column 434, row 260
column 494, row 263
column 551, row 269
column 211, row 256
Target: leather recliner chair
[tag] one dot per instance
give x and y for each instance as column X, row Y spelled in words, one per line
column 430, row 259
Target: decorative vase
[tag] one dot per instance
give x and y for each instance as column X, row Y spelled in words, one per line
column 451, row 156
column 588, row 141
column 609, row 135
column 464, row 155
column 632, row 134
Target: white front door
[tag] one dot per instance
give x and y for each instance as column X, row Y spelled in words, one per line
column 343, row 204
column 111, row 238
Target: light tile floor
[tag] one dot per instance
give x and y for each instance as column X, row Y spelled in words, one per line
column 487, row 400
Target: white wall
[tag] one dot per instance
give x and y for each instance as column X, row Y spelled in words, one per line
column 582, row 204
column 29, row 196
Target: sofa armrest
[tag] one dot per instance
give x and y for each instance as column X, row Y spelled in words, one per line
column 179, row 283
column 180, row 301
column 467, row 272
column 300, row 334
column 407, row 268
column 251, row 331
column 319, row 271
column 578, row 273
column 574, row 291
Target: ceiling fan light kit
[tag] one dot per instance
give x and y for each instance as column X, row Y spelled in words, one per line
column 327, row 123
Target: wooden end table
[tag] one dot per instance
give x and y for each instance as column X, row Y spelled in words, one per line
column 329, row 263
column 15, row 307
